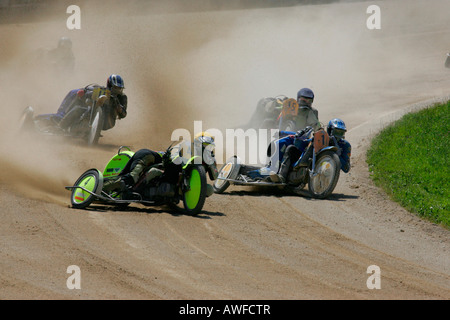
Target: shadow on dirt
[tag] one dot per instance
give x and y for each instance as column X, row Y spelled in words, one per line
column 174, row 211
column 279, row 193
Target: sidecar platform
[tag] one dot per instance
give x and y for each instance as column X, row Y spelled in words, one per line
column 245, row 182
column 110, row 200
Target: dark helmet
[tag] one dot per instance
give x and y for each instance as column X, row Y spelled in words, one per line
column 337, row 128
column 115, row 80
column 305, row 93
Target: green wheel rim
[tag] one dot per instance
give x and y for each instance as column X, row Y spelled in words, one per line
column 193, row 195
column 89, row 183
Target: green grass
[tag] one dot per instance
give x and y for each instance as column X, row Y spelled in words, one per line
column 410, row 161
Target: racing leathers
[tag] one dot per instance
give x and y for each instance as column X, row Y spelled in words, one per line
column 307, row 117
column 140, row 161
column 292, row 155
column 78, row 102
column 344, row 152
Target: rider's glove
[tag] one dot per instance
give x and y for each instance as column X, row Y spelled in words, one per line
column 122, row 113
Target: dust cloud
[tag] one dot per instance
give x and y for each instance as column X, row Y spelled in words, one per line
column 207, row 65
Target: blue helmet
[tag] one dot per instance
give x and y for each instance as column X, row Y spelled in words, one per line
column 115, row 80
column 305, row 93
column 337, row 128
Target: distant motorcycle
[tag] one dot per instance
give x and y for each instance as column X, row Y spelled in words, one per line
column 181, row 181
column 88, row 125
column 276, row 113
column 321, row 174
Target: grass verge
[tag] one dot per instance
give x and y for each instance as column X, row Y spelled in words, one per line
column 409, row 159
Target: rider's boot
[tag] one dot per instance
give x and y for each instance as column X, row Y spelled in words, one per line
column 114, row 185
column 282, row 175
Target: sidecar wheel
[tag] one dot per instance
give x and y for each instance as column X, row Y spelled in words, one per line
column 91, row 180
column 230, row 170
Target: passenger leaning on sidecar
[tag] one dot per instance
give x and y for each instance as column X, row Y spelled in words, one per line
column 336, row 130
column 77, row 102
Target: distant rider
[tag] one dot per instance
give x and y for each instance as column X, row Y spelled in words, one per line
column 266, row 108
column 62, row 57
column 78, row 101
column 270, row 108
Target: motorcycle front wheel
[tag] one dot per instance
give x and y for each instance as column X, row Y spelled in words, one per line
column 194, row 195
column 323, row 181
column 96, row 126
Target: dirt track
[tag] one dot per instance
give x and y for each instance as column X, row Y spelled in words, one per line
column 214, row 66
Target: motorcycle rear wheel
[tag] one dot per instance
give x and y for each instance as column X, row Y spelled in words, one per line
column 322, row 184
column 195, row 195
column 91, row 180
